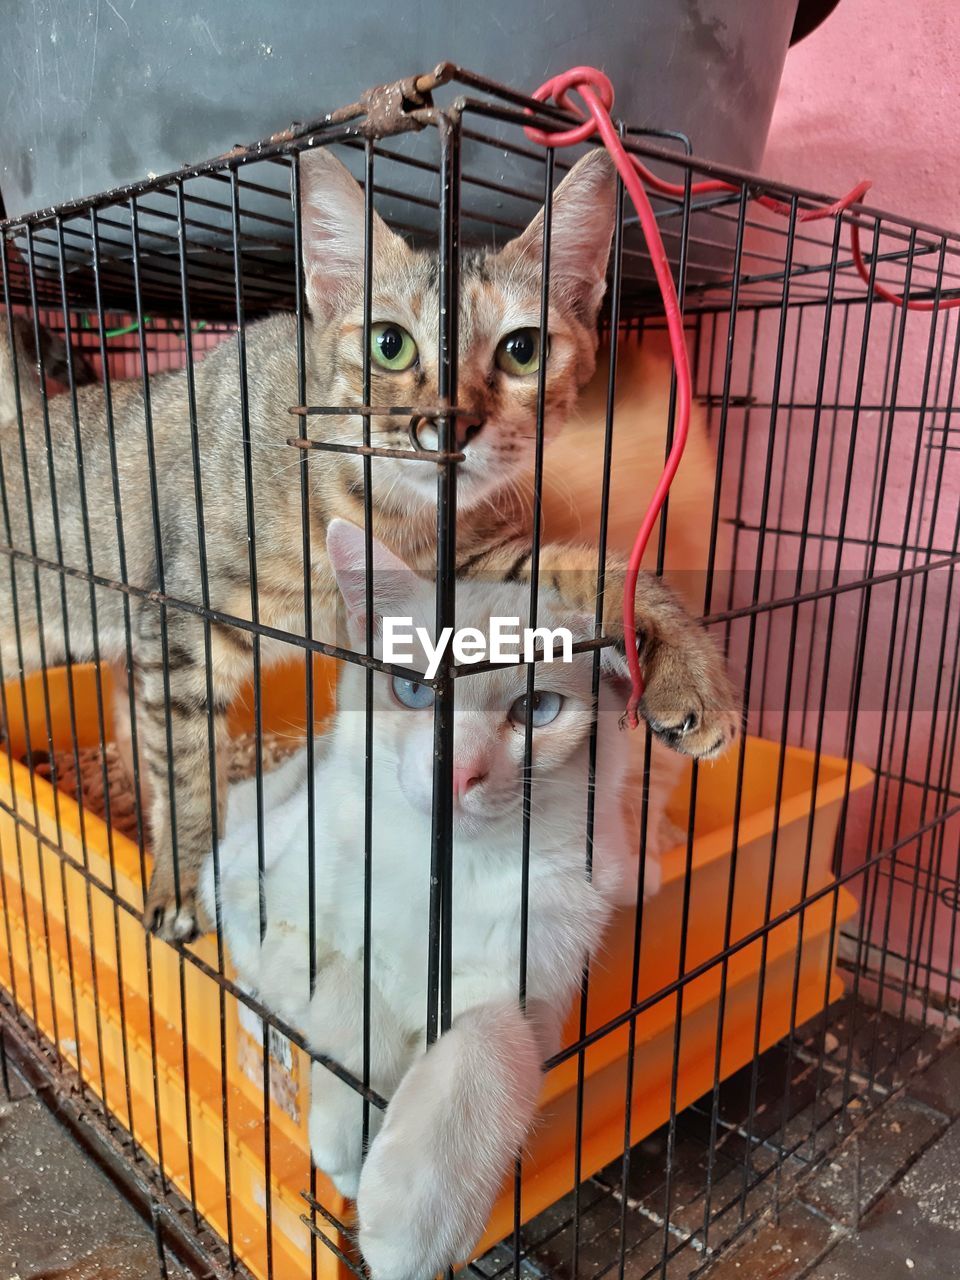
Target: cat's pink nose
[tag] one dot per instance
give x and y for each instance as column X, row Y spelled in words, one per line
column 465, row 778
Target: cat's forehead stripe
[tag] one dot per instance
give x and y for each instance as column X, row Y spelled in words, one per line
column 474, row 262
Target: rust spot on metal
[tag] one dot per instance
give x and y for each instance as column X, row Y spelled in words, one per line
column 284, row 135
column 395, row 107
column 374, row 451
column 439, row 410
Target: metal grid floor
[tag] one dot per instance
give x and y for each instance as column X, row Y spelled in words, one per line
column 810, row 1094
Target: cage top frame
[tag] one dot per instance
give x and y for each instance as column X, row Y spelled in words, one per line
column 471, row 104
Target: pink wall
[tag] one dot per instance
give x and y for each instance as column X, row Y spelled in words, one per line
column 874, row 94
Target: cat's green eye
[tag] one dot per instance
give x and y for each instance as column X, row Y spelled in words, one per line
column 409, row 693
column 391, row 347
column 546, row 708
column 519, row 352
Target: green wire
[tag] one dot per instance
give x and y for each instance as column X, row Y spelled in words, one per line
column 127, row 328
column 132, row 328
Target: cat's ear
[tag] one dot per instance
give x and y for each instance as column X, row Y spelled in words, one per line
column 581, row 228
column 346, row 549
column 332, row 219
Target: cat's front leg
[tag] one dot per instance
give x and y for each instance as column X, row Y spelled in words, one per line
column 333, row 1026
column 688, row 699
column 452, row 1131
column 173, row 723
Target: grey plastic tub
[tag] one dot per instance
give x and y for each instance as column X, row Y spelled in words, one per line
column 115, row 91
column 104, row 93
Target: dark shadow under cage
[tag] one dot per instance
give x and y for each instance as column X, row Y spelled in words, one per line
column 800, row 956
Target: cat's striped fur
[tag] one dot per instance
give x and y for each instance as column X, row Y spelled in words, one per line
column 146, row 459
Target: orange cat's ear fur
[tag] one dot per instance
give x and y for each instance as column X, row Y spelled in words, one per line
column 581, row 228
column 332, row 217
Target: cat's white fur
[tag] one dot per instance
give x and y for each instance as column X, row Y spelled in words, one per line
column 459, row 1112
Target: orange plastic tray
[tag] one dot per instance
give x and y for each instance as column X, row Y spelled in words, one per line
column 84, row 933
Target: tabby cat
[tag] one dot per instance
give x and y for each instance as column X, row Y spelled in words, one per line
column 98, row 518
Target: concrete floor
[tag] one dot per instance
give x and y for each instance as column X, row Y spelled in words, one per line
column 887, row 1207
column 59, row 1213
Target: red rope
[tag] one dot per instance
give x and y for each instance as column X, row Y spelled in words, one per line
column 596, row 92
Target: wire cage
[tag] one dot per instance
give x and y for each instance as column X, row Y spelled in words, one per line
column 799, row 958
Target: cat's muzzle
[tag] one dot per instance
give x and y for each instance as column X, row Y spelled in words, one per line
column 424, row 433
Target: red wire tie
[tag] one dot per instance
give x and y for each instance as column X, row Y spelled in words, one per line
column 596, row 93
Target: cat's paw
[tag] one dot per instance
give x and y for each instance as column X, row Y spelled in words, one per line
column 336, row 1130
column 451, row 1132
column 688, row 700
column 340, row 1165
column 411, row 1225
column 170, row 920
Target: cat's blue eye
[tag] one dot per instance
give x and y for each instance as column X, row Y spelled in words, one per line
column 546, row 708
column 412, row 694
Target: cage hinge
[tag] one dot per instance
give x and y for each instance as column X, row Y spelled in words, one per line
column 395, row 107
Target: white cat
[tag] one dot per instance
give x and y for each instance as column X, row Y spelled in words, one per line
column 459, row 1111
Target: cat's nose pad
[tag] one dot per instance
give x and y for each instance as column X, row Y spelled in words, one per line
column 425, row 434
column 468, row 429
column 465, row 779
